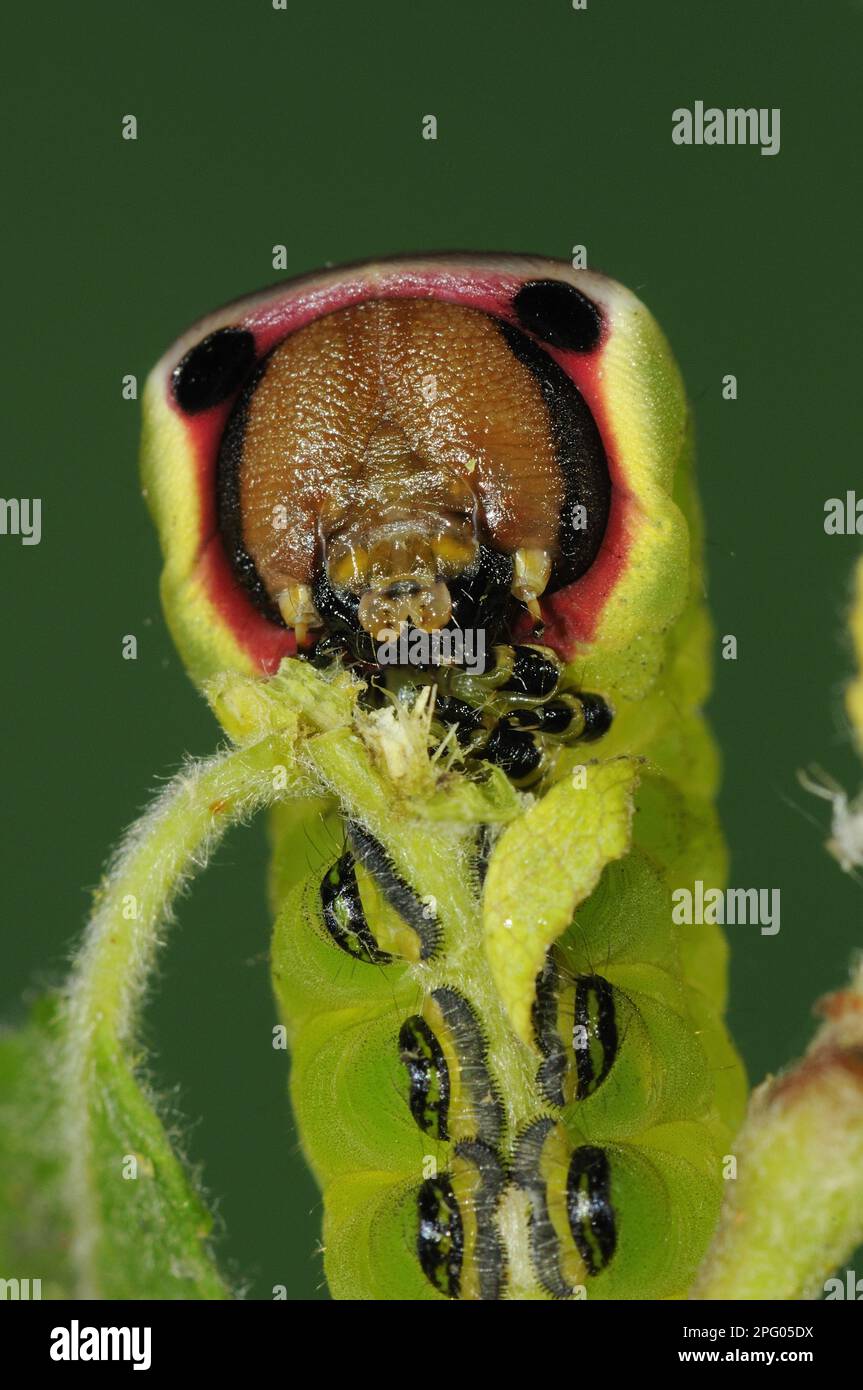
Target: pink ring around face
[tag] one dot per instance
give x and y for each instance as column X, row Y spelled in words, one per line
column 572, row 614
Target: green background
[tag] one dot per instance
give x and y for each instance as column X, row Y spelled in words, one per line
column 302, row 126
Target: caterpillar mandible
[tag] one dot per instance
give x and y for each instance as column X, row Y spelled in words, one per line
column 436, row 519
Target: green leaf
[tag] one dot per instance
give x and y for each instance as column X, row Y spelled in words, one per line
column 149, row 1228
column 34, row 1230
column 153, row 1228
column 533, row 887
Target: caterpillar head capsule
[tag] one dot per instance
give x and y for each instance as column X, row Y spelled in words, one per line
column 437, row 445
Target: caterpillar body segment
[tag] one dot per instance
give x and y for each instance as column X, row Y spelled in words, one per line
column 367, row 1107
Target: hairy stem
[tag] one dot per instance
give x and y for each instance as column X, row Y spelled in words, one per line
column 159, row 854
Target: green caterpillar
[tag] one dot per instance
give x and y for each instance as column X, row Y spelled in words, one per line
column 509, row 1067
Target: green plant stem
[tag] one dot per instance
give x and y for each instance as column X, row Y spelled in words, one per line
column 160, row 853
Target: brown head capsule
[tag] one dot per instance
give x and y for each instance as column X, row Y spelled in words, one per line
column 408, row 461
column 484, row 442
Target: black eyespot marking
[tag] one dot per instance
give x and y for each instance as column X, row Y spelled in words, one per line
column 595, row 1037
column 399, row 894
column 213, row 369
column 440, row 1244
column 343, row 913
column 589, row 1209
column 559, row 314
column 428, row 1075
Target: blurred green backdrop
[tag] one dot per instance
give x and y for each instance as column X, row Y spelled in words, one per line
column 302, row 126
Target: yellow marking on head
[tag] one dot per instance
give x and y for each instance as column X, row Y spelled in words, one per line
column 532, row 570
column 297, row 607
